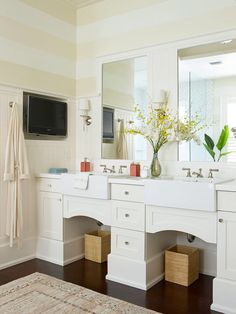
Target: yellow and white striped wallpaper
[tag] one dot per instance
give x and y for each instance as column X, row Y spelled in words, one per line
column 38, row 45
column 112, row 26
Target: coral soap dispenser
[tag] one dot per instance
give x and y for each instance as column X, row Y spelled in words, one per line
column 85, row 165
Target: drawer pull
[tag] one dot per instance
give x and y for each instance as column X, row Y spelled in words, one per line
column 126, row 243
column 221, row 220
column 126, row 193
column 127, row 215
column 49, row 185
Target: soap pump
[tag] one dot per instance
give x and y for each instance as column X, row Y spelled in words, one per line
column 85, row 165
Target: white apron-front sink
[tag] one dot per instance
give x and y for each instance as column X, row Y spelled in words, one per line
column 183, row 193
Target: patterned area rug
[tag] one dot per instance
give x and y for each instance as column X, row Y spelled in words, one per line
column 38, row 293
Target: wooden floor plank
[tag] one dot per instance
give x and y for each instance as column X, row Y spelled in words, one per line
column 164, row 297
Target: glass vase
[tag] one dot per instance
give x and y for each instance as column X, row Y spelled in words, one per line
column 155, row 166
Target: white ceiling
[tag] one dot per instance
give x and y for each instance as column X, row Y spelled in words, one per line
column 82, row 3
column 201, row 67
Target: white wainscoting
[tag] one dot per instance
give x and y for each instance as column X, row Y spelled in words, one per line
column 42, row 155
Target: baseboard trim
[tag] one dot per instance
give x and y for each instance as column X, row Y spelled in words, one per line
column 126, row 282
column 49, row 259
column 73, row 259
column 222, row 309
column 17, row 261
column 224, row 292
column 11, row 256
column 153, row 282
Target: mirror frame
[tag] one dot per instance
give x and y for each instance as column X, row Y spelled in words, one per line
column 116, row 58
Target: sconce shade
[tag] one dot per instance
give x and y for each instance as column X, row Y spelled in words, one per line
column 161, row 96
column 84, row 104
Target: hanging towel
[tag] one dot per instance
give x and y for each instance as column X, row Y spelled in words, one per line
column 16, row 169
column 122, row 150
column 81, row 180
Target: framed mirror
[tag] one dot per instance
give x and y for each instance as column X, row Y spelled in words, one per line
column 207, row 87
column 124, row 84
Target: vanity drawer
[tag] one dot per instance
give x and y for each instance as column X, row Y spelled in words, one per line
column 49, row 185
column 129, row 215
column 128, row 243
column 226, row 201
column 125, row 192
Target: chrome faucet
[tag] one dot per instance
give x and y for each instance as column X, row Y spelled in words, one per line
column 121, row 169
column 106, row 170
column 188, row 172
column 198, row 174
column 210, row 174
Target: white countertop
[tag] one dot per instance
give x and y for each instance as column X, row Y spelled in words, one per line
column 227, row 186
column 49, row 175
column 128, row 180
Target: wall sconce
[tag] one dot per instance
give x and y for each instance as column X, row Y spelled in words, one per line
column 162, row 98
column 84, row 108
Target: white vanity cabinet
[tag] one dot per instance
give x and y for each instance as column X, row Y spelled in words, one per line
column 226, row 235
column 137, row 257
column 224, row 285
column 49, row 244
column 59, row 240
column 50, row 221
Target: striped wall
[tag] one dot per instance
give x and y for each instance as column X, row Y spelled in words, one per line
column 38, row 45
column 111, row 26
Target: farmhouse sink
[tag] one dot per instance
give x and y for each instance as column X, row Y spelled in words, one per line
column 183, row 193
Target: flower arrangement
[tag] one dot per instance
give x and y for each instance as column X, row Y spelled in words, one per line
column 160, row 126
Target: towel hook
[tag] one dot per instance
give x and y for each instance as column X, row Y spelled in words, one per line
column 11, row 103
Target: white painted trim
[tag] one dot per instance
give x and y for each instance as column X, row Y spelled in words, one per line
column 21, row 88
column 222, row 309
column 126, row 282
column 153, row 282
column 49, row 259
column 73, row 259
column 17, row 261
column 27, row 252
column 179, row 44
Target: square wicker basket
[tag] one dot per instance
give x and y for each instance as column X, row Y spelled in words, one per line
column 182, row 265
column 97, row 245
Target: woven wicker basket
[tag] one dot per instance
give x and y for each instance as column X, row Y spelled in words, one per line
column 97, row 245
column 182, row 265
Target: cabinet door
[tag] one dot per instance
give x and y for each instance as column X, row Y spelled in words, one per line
column 50, row 220
column 226, row 246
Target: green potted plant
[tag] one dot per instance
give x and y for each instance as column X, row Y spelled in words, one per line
column 217, row 149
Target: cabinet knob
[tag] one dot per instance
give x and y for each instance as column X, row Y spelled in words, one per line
column 49, row 185
column 60, row 200
column 127, row 215
column 221, row 220
column 126, row 193
column 126, row 243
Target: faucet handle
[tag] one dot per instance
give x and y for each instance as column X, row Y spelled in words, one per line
column 188, row 172
column 210, row 174
column 121, row 169
column 104, row 168
column 200, row 173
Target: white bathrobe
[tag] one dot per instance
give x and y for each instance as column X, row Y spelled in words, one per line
column 122, row 150
column 16, row 169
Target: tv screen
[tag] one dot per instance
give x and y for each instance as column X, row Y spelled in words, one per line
column 108, row 123
column 46, row 116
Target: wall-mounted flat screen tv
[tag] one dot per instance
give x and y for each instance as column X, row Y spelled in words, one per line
column 44, row 115
column 108, row 125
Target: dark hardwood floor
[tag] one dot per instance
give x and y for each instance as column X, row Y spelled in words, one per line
column 164, row 297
